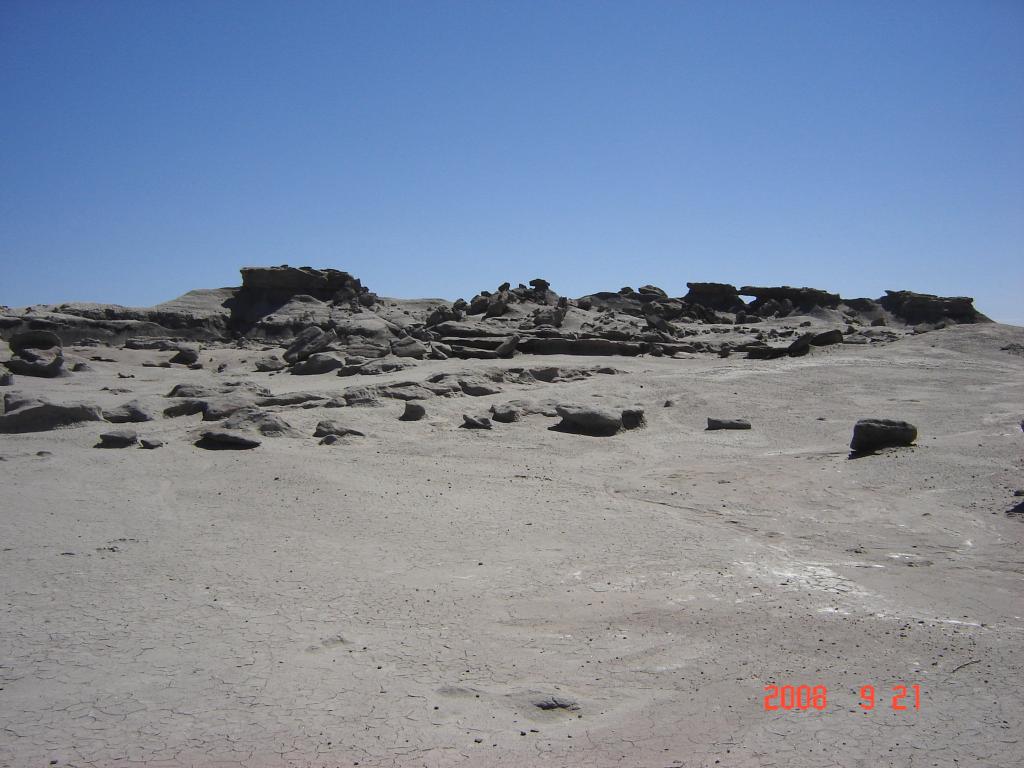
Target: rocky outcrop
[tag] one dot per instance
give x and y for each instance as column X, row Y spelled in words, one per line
column 721, row 297
column 925, row 308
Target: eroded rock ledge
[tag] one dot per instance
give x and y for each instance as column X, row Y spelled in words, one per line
column 330, row 322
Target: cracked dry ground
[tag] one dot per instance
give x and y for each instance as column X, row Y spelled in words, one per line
column 432, row 596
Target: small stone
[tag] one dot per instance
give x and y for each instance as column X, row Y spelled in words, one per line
column 150, row 443
column 475, row 422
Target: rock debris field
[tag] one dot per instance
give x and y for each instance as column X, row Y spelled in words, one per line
column 296, row 523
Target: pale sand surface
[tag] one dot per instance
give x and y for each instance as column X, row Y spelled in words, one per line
column 405, row 598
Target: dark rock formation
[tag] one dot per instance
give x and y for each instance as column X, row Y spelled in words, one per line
column 872, row 434
column 413, row 411
column 721, row 297
column 916, row 308
column 224, row 440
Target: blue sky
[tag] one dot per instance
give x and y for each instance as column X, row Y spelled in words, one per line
column 437, row 148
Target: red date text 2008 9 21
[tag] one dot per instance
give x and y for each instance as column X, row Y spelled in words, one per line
column 802, row 697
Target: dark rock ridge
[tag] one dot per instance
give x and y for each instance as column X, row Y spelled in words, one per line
column 328, row 323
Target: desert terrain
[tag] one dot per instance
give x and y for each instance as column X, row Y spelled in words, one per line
column 418, row 592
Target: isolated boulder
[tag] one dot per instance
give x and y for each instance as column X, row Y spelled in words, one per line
column 37, row 414
column 475, row 422
column 151, row 443
column 872, row 434
column 121, row 438
column 221, row 439
column 728, row 424
column 589, row 419
column 6, row 379
column 413, row 411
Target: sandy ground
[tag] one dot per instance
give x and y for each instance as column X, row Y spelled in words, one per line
column 408, row 598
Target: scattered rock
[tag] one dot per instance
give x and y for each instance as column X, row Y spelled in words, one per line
column 223, row 440
column 317, row 363
column 871, row 434
column 187, row 354
column 151, row 443
column 508, row 347
column 270, row 363
column 589, row 420
column 477, row 387
column 129, row 412
column 409, row 347
column 475, row 422
column 413, row 411
column 728, row 424
column 505, row 413
column 6, row 379
column 121, row 438
column 257, row 420
column 329, row 427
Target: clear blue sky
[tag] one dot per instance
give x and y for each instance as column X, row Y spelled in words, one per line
column 436, row 148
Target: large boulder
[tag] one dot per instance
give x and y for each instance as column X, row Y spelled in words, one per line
column 871, row 434
column 37, row 414
column 589, row 419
